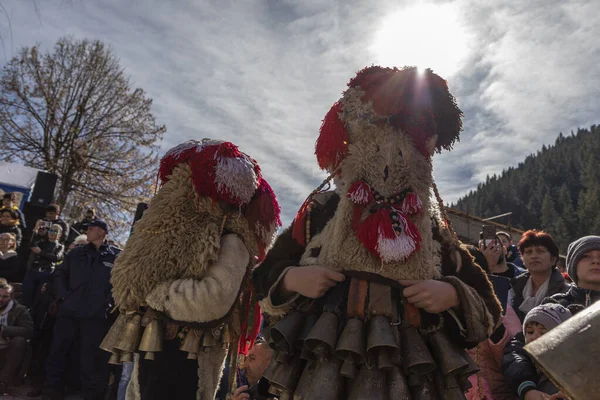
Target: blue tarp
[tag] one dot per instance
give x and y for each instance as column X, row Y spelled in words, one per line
column 18, row 179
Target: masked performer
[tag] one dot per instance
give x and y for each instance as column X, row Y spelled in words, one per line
column 182, row 281
column 369, row 293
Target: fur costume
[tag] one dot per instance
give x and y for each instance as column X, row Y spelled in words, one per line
column 183, row 274
column 379, row 227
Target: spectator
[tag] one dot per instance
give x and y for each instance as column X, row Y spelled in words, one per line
column 583, row 264
column 9, row 223
column 45, row 254
column 53, row 215
column 520, row 372
column 15, row 328
column 495, row 254
column 9, row 260
column 253, row 367
column 83, row 288
column 512, row 252
column 78, row 241
column 542, row 279
column 90, row 215
column 561, row 265
column 9, row 201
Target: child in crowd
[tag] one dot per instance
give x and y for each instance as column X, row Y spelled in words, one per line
column 519, row 369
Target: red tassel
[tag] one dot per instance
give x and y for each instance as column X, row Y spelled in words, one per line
column 373, row 227
column 360, row 193
column 299, row 224
column 263, row 212
column 332, row 144
column 250, row 326
column 411, row 204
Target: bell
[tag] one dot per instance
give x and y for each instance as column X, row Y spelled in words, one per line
column 423, row 388
column 464, row 383
column 327, row 383
column 309, row 322
column 351, row 347
column 305, row 381
column 208, row 340
column 271, row 369
column 126, row 357
column 114, row 334
column 131, row 335
column 398, row 387
column 149, row 355
column 370, row 385
column 381, row 341
column 115, row 359
column 152, row 339
column 449, row 359
column 323, row 336
column 416, row 358
column 191, row 343
column 226, row 337
column 287, row 375
column 447, row 387
column 463, row 375
column 286, row 331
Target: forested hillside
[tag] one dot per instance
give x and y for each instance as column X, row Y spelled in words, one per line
column 557, row 189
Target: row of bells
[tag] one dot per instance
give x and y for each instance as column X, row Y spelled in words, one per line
column 375, row 349
column 125, row 338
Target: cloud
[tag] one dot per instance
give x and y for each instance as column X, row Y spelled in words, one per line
column 263, row 74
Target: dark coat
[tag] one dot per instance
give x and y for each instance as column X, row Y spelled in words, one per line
column 576, row 299
column 14, row 229
column 51, row 254
column 82, row 282
column 557, row 285
column 19, row 323
column 520, row 372
column 10, row 268
column 287, row 252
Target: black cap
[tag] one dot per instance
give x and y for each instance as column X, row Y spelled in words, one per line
column 99, row 223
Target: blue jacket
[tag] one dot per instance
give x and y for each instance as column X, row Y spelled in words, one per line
column 83, row 282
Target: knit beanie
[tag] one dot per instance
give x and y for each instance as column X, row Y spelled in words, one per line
column 548, row 315
column 577, row 250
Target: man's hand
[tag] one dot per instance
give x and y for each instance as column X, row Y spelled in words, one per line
column 430, row 295
column 312, row 282
column 239, row 395
column 36, row 250
column 536, row 395
column 492, row 253
column 558, row 396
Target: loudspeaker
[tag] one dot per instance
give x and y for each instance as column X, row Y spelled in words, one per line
column 139, row 212
column 43, row 191
column 32, row 212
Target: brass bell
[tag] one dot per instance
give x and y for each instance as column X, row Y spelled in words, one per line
column 226, row 337
column 208, row 340
column 287, row 375
column 381, row 342
column 126, row 357
column 370, row 385
column 416, row 358
column 449, row 359
column 115, row 358
column 327, row 383
column 398, row 386
column 131, row 335
column 305, row 381
column 114, row 334
column 322, row 337
column 351, row 347
column 152, row 339
column 286, row 331
column 191, row 343
column 149, row 355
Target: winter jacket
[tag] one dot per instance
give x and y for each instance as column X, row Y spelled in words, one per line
column 82, row 282
column 520, row 372
column 22, row 223
column 19, row 323
column 51, row 254
column 10, row 264
column 65, row 229
column 557, row 285
column 14, row 229
column 576, row 299
column 488, row 355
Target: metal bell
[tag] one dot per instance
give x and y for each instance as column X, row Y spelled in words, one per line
column 416, row 358
column 398, row 386
column 449, row 359
column 271, row 369
column 191, row 343
column 126, row 357
column 226, row 336
column 114, row 334
column 115, row 358
column 370, row 385
column 322, row 337
column 423, row 388
column 381, row 342
column 463, row 375
column 208, row 340
column 305, row 381
column 309, row 322
column 131, row 335
column 152, row 339
column 286, row 331
column 351, row 347
column 326, row 383
column 286, row 376
column 149, row 355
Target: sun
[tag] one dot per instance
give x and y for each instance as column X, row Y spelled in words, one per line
column 425, row 36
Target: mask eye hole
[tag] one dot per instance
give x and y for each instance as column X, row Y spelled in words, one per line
column 377, row 148
column 400, row 154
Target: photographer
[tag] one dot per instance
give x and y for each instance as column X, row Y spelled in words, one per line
column 253, row 367
column 53, row 216
column 46, row 253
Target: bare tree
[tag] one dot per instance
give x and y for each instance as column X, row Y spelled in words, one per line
column 74, row 113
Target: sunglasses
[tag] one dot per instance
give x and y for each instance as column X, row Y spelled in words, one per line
column 53, row 231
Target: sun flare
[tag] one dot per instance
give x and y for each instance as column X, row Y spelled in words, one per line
column 425, row 36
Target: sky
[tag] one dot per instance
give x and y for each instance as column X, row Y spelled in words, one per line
column 263, row 73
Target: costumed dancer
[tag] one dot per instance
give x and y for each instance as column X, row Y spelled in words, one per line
column 369, row 294
column 182, row 282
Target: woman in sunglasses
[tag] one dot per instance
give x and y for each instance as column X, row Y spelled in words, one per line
column 46, row 253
